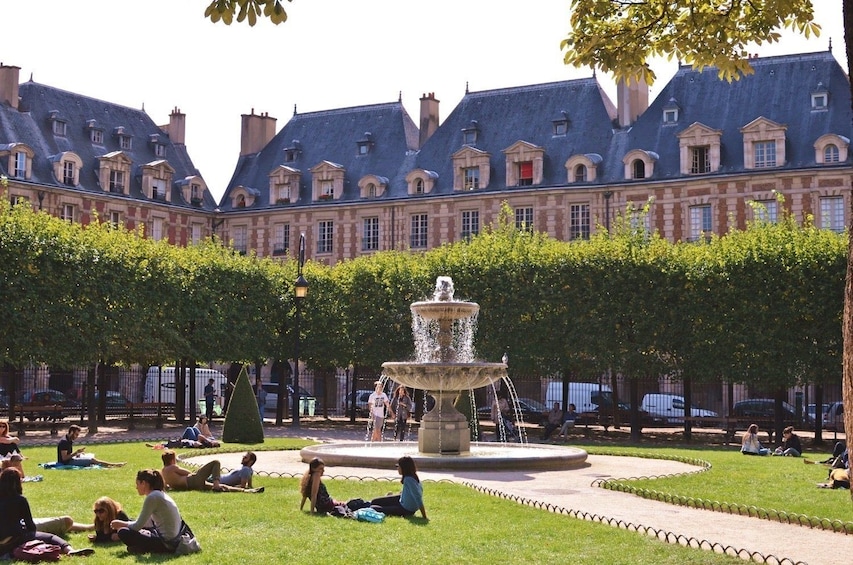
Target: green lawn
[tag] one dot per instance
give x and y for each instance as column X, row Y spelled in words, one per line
column 464, row 527
column 773, row 483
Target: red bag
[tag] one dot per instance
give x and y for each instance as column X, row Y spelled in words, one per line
column 35, row 551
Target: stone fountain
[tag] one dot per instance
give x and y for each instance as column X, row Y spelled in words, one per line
column 443, row 369
column 444, row 366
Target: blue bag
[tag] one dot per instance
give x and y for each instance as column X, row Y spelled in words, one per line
column 369, row 515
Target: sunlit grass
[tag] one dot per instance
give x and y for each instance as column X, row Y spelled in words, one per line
column 465, row 526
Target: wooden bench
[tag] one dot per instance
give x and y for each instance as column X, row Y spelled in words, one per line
column 160, row 411
column 52, row 413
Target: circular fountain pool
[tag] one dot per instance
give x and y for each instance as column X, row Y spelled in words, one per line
column 482, row 456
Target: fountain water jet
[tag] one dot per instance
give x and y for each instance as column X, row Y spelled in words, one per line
column 445, row 366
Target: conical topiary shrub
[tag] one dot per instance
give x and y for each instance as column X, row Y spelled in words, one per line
column 242, row 421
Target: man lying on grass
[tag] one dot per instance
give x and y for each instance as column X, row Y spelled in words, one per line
column 206, row 478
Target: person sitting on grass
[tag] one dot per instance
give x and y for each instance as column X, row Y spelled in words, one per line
column 66, row 455
column 10, row 452
column 60, row 525
column 791, row 446
column 106, row 510
column 313, row 489
column 157, row 529
column 200, row 432
column 411, row 497
column 16, row 519
column 750, row 444
column 206, row 478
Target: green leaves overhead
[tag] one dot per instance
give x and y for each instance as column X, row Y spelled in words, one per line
column 620, row 36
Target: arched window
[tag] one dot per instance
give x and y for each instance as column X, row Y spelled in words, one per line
column 639, row 169
column 241, row 201
column 371, row 190
column 419, row 186
column 580, row 173
column 830, row 153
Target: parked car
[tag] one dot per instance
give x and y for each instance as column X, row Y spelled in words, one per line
column 762, row 410
column 670, row 408
column 115, row 403
column 271, row 402
column 532, row 411
column 361, row 398
column 47, row 397
column 833, row 417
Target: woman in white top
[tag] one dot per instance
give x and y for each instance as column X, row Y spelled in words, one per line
column 750, row 444
column 157, row 529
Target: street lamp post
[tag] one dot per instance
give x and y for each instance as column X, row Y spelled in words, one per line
column 301, row 290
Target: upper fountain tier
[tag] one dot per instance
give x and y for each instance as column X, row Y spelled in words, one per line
column 442, row 307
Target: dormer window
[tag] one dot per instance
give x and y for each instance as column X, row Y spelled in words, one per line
column 365, row 144
column 699, row 149
column 671, row 112
column 820, row 97
column 66, row 167
column 117, row 181
column 372, row 186
column 59, row 127
column 470, row 134
column 158, row 146
column 114, row 172
column 524, row 163
column 831, row 149
column 192, row 189
column 583, row 168
column 328, row 181
column 292, row 153
column 763, row 144
column 96, row 134
column 19, row 171
column 561, row 124
column 471, row 170
column 639, row 164
column 157, row 180
column 284, row 185
column 420, row 181
column 124, row 139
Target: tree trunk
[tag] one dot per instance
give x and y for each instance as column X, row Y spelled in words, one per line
column 847, row 321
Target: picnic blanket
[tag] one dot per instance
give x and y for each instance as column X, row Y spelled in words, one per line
column 55, row 465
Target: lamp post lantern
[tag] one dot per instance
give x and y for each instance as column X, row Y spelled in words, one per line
column 300, row 292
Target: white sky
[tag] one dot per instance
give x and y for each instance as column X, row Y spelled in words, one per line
column 329, row 54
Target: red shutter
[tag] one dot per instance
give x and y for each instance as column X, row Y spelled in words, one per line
column 526, row 170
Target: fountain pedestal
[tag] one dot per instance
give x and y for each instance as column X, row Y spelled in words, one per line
column 444, row 429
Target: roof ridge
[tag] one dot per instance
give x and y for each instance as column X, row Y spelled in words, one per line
column 78, row 95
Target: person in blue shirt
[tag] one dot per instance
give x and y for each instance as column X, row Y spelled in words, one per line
column 411, row 497
column 209, row 398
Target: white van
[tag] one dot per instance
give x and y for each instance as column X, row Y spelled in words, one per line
column 585, row 396
column 669, row 408
column 160, row 387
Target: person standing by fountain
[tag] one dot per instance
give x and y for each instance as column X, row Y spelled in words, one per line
column 401, row 407
column 411, row 497
column 377, row 402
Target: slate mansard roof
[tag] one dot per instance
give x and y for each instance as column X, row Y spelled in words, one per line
column 780, row 90
column 332, row 135
column 527, row 113
column 31, row 124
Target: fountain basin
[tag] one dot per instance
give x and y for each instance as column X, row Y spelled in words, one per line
column 445, row 309
column 444, row 377
column 481, row 457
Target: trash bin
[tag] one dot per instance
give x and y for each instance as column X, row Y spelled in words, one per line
column 303, row 406
column 312, row 402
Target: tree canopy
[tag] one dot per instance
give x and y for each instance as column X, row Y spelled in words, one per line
column 620, row 36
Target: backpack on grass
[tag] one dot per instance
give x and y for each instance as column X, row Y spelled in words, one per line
column 35, row 551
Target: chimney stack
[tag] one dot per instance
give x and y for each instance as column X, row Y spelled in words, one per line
column 631, row 100
column 255, row 132
column 429, row 117
column 9, row 85
column 177, row 127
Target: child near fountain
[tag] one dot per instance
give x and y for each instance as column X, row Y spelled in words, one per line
column 411, row 497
